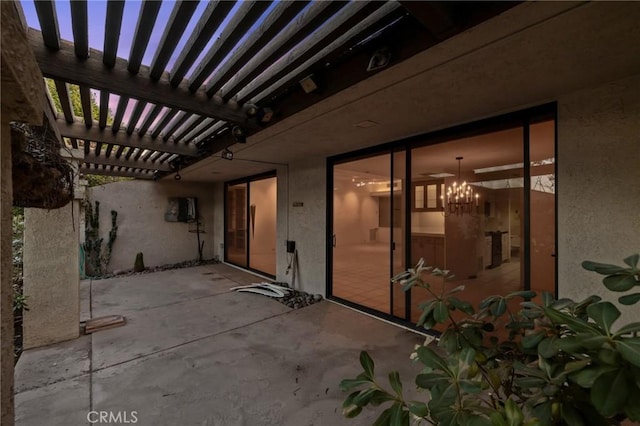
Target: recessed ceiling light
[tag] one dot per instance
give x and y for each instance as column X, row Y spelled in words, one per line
column 366, row 124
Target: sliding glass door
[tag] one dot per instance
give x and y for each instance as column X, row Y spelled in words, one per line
column 250, row 223
column 368, row 231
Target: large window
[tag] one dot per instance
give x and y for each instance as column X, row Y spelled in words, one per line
column 478, row 201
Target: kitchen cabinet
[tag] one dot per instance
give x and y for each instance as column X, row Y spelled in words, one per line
column 426, row 195
column 506, row 247
column 430, row 248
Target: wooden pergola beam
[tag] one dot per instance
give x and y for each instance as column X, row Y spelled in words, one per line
column 122, row 162
column 85, row 169
column 79, row 131
column 64, row 65
column 146, row 20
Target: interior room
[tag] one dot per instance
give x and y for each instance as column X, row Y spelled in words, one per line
column 478, row 236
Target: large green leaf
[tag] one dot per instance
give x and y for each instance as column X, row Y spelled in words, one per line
column 499, row 307
column 573, row 323
column 367, row 364
column 418, row 408
column 629, row 328
column 629, row 299
column 604, row 314
column 432, row 359
column 385, row 418
column 602, row 268
column 619, row 282
column 532, row 340
column 571, row 416
column 630, row 349
column 394, row 381
column 397, row 416
column 429, row 380
column 513, row 413
column 609, row 392
column 441, row 312
column 632, row 260
column 348, row 384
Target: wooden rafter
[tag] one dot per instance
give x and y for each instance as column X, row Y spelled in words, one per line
column 180, row 16
column 311, row 19
column 213, row 16
column 138, row 109
column 113, row 24
column 48, row 19
column 104, row 109
column 120, row 109
column 123, row 162
column 85, row 100
column 146, row 20
column 79, row 131
column 175, row 125
column 64, row 65
column 65, row 102
column 80, row 28
column 281, row 16
column 98, row 170
column 318, row 42
column 193, row 122
column 164, row 122
column 148, row 121
column 235, row 29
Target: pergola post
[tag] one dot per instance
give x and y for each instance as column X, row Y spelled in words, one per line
column 22, row 100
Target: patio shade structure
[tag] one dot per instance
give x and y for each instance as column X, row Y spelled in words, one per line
column 261, row 51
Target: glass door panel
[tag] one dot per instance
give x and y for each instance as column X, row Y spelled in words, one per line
column 236, row 222
column 262, row 225
column 542, row 247
column 362, row 224
column 472, row 237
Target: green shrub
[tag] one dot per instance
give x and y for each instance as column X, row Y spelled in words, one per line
column 556, row 362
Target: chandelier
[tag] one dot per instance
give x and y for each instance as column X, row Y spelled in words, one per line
column 459, row 198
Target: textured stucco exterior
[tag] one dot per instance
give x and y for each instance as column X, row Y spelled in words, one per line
column 141, row 206
column 598, row 184
column 51, row 277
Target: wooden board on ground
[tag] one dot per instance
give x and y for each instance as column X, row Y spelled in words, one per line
column 104, row 323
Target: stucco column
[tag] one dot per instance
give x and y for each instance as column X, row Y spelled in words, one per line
column 51, row 273
column 6, row 289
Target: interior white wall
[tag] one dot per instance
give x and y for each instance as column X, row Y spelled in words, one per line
column 141, row 206
column 427, row 222
column 598, row 184
column 263, row 195
column 356, row 213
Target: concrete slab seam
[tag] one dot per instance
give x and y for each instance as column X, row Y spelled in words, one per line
column 191, row 341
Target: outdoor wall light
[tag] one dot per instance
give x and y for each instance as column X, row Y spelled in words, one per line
column 308, row 84
column 379, row 59
column 227, row 154
column 251, row 110
column 177, row 176
column 238, row 134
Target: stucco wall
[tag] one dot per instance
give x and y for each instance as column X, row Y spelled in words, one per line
column 141, row 206
column 51, row 278
column 598, row 183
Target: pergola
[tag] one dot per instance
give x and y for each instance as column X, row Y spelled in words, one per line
column 269, row 61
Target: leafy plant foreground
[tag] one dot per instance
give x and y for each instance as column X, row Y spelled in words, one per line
column 557, row 362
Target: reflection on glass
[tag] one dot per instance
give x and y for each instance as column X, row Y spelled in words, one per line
column 419, row 197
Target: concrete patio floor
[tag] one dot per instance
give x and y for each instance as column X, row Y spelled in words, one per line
column 194, row 353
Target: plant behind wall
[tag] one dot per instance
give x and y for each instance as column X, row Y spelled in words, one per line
column 558, row 362
column 97, row 257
